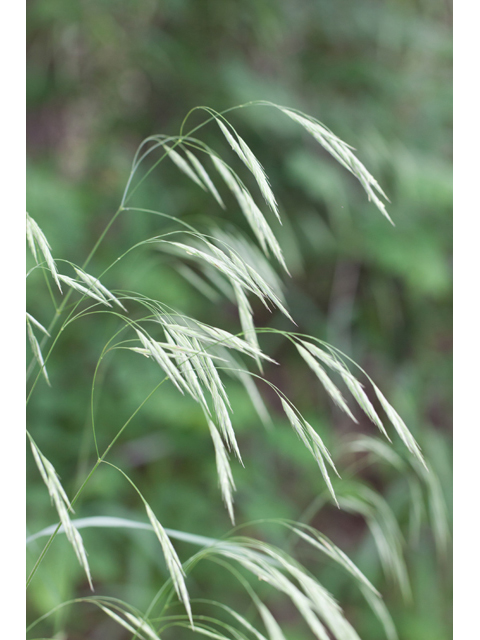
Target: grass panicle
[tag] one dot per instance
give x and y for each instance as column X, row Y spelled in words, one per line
column 198, row 359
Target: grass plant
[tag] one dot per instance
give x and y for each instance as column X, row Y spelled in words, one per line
column 199, row 359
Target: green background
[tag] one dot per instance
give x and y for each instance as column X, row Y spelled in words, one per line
column 104, row 75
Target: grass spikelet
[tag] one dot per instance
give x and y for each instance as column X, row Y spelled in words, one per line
column 98, row 288
column 232, row 267
column 252, row 213
column 343, row 154
column 213, row 337
column 62, row 505
column 267, row 563
column 123, row 623
column 37, row 352
column 185, row 365
column 246, row 320
column 37, row 324
column 31, row 225
column 327, row 358
column 327, row 384
column 400, row 427
column 237, row 370
column 260, row 226
column 273, row 628
column 320, row 541
column 268, row 292
column 260, row 176
column 231, row 140
column 219, row 260
column 312, row 441
column 155, row 350
column 213, row 377
column 141, row 628
column 315, row 598
column 173, row 563
column 84, row 290
column 198, row 364
column 226, row 339
column 202, row 172
column 202, row 365
column 248, row 158
column 251, row 255
column 353, row 385
column 183, row 165
column 221, row 412
column 227, row 484
column 324, row 605
column 36, row 236
column 227, row 174
column 356, row 389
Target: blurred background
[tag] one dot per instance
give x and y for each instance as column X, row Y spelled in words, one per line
column 102, row 76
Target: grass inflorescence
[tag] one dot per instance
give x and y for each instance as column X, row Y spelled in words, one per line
column 197, row 358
